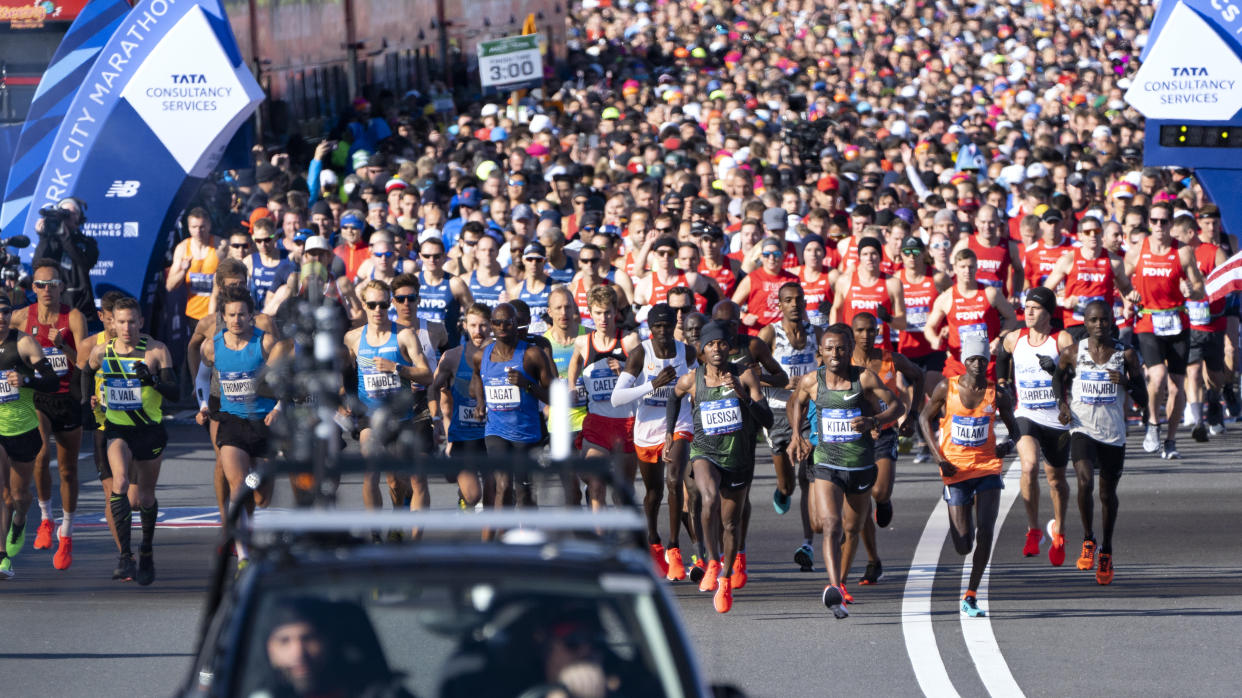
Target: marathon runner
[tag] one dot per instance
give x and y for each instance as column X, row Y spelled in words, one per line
column 466, row 420
column 1032, row 353
column 441, row 297
column 999, row 258
column 590, row 262
column 851, row 403
column 1089, row 272
column 652, row 289
column 1205, row 364
column 564, row 329
column 487, row 281
column 431, row 336
column 96, row 423
column 967, row 310
column 864, row 288
column 920, row 286
column 194, row 265
column 729, row 409
column 969, row 457
column 534, row 286
column 1094, row 371
column 816, row 279
column 60, row 330
column 237, row 357
column 659, row 362
column 1159, row 267
column 758, row 291
column 266, row 269
column 137, row 378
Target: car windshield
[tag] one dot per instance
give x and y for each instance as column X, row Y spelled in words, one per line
column 398, row 636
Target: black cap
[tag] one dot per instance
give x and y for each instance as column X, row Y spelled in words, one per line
column 965, row 227
column 1043, row 296
column 665, row 241
column 266, row 172
column 864, row 210
column 535, row 249
column 912, row 243
column 701, row 207
column 1051, row 214
column 871, row 242
column 582, row 192
column 662, row 313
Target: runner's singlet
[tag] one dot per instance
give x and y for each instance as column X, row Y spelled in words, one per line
column 487, row 295
column 17, row 410
column 839, row 445
column 1096, row 403
column 467, row 421
column 375, row 388
column 512, row 413
column 721, row 435
column 130, row 403
column 968, row 436
column 796, row 362
column 46, row 336
column 237, row 370
column 650, row 415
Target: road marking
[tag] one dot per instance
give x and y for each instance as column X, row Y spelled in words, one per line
column 977, row 632
column 916, row 618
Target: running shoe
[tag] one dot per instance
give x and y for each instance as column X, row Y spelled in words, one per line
column 970, row 606
column 738, row 579
column 1200, row 432
column 1216, row 429
column 676, row 568
column 1056, row 553
column 1104, row 574
column 146, row 568
column 805, row 557
column 845, row 594
column 884, row 513
column 1151, row 441
column 126, row 569
column 711, row 576
column 923, row 455
column 873, row 575
column 1170, row 452
column 64, row 553
column 724, row 595
column 43, row 536
column 697, row 570
column 781, row 502
column 1086, row 560
column 835, row 602
column 657, row 556
column 1034, row 539
column 6, row 569
column 17, row 539
column 1232, row 403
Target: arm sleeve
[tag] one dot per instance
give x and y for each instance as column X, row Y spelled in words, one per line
column 1004, row 362
column 1060, row 381
column 916, row 181
column 672, row 410
column 44, row 379
column 1138, row 393
column 762, row 412
column 166, row 385
column 312, row 180
column 202, row 384
column 626, row 392
column 88, row 382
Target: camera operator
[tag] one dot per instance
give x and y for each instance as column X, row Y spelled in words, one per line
column 61, row 240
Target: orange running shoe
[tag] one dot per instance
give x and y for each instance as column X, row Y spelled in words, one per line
column 1086, row 560
column 1056, row 553
column 676, row 568
column 657, row 556
column 845, row 594
column 739, row 576
column 724, row 596
column 43, row 538
column 1034, row 538
column 64, row 553
column 710, row 581
column 1104, row 575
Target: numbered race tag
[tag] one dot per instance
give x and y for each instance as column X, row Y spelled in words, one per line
column 1166, row 323
column 660, row 396
column 916, row 317
column 989, row 283
column 123, row 393
column 60, row 362
column 816, row 318
column 1199, row 313
column 237, row 386
column 468, row 414
column 970, row 431
column 798, row 364
column 201, row 283
column 723, row 416
column 501, row 396
column 1081, row 305
column 1036, row 393
column 977, row 330
column 580, row 394
column 1096, row 388
column 602, row 380
column 7, row 392
column 837, row 426
column 377, row 384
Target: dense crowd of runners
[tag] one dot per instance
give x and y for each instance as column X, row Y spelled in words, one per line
column 851, row 232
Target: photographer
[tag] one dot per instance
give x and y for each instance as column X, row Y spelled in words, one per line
column 61, row 239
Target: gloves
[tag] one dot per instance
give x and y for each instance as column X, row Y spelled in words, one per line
column 1048, row 363
column 144, row 374
column 1004, row 448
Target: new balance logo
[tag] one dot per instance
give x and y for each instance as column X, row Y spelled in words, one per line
column 123, row 189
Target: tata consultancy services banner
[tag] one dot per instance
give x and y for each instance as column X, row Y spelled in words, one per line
column 149, row 123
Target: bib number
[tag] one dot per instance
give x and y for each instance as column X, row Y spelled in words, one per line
column 237, row 386
column 1166, row 323
column 1095, row 388
column 379, row 384
column 916, row 317
column 1036, row 394
column 501, row 396
column 60, row 362
column 722, row 416
column 1081, row 306
column 660, row 397
column 201, row 283
column 970, row 432
column 7, row 392
column 602, row 383
column 798, row 364
column 977, row 331
column 1199, row 313
column 469, row 415
column 837, row 426
column 580, row 394
column 123, row 394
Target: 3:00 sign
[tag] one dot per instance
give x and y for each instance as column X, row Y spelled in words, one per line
column 512, row 70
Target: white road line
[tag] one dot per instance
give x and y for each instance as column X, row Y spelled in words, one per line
column 916, row 618
column 977, row 632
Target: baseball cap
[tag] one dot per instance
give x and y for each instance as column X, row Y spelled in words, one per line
column 775, row 219
column 316, row 242
column 535, row 249
column 469, row 197
column 523, row 212
column 912, row 243
column 1051, row 214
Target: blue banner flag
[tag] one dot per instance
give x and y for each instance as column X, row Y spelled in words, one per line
column 96, row 23
column 150, row 122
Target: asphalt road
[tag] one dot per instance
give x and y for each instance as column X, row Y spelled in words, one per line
column 1169, row 624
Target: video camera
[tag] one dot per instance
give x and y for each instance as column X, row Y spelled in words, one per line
column 10, row 263
column 53, row 220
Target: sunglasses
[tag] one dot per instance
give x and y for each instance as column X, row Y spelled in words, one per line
column 378, row 305
column 516, row 183
column 50, row 283
column 239, row 245
column 406, row 298
column 433, row 256
column 262, row 241
column 663, row 253
column 911, row 253
column 381, row 254
column 667, row 229
column 1160, row 220
column 1089, row 231
column 469, row 243
column 580, row 202
column 532, row 259
column 503, row 323
column 772, row 254
column 588, row 260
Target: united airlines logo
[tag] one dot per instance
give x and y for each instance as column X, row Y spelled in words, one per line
column 123, row 189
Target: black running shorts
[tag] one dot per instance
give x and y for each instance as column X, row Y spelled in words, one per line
column 24, row 447
column 250, row 435
column 145, row 442
column 1109, row 460
column 63, row 411
column 852, row 481
column 1170, row 351
column 1053, row 442
column 1208, row 347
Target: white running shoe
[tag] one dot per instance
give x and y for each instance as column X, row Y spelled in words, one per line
column 1151, row 442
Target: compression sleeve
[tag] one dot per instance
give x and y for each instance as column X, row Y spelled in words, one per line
column 762, row 412
column 166, row 385
column 87, row 381
column 202, row 384
column 626, row 392
column 1004, row 363
column 672, row 410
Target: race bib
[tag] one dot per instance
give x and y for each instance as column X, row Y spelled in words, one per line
column 916, row 317
column 1036, row 393
column 722, row 416
column 837, row 426
column 1199, row 313
column 977, row 331
column 427, row 315
column 469, row 415
column 990, row 283
column 537, row 327
column 60, row 362
column 660, row 397
column 201, row 283
column 1166, row 322
column 816, row 318
column 376, row 384
column 970, row 431
column 7, row 392
column 580, row 394
column 237, row 386
column 602, row 380
column 123, row 393
column 1081, row 305
column 1095, row 388
column 798, row 364
column 501, row 396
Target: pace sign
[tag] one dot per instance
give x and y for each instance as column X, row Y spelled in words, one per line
column 511, row 62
